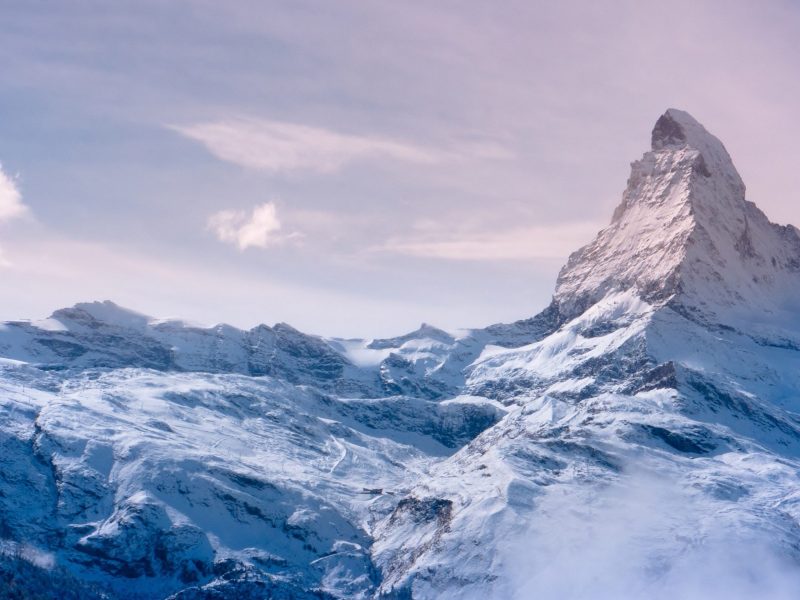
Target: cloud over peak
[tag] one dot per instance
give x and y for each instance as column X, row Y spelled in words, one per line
column 256, row 229
column 11, row 205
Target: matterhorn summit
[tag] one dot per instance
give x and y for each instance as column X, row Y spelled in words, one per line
column 685, row 235
column 639, row 438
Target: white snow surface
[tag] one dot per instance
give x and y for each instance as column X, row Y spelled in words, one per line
column 639, row 438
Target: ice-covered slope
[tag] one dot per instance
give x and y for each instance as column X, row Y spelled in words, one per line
column 639, row 438
column 153, row 482
column 624, row 397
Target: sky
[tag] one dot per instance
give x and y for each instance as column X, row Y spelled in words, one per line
column 357, row 168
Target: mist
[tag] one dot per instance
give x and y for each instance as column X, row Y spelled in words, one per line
column 648, row 537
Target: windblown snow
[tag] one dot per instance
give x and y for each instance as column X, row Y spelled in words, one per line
column 639, row 438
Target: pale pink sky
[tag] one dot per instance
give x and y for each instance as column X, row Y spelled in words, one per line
column 355, row 168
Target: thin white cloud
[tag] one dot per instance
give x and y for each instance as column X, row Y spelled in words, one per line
column 282, row 147
column 542, row 242
column 11, row 205
column 256, row 229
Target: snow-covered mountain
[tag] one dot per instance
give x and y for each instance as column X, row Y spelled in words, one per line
column 685, row 236
column 638, row 438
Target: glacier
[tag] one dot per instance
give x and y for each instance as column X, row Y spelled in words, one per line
column 639, row 438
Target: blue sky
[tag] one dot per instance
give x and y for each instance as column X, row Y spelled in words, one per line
column 356, row 168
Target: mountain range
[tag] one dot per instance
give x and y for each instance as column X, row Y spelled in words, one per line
column 638, row 438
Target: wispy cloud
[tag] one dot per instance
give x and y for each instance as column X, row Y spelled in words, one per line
column 528, row 243
column 255, row 229
column 282, row 147
column 11, row 205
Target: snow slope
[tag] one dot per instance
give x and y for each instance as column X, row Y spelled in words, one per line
column 638, row 438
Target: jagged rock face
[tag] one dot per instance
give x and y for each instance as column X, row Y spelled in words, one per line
column 649, row 414
column 684, row 234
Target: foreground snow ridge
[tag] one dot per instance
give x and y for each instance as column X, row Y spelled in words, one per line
column 639, row 438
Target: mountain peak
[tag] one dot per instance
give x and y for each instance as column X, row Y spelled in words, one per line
column 677, row 130
column 684, row 234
